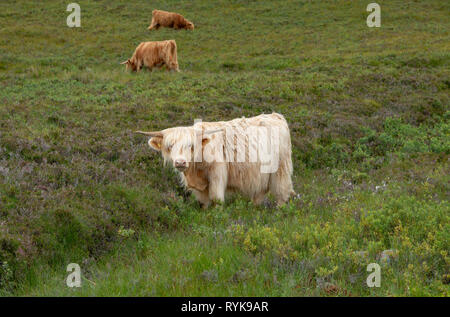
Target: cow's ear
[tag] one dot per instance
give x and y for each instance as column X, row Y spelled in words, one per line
column 205, row 141
column 155, row 143
column 207, row 135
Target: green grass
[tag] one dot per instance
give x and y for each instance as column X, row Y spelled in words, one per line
column 368, row 110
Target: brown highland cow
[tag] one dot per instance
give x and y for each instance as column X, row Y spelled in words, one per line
column 154, row 54
column 170, row 20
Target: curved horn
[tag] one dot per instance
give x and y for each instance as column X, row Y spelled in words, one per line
column 124, row 62
column 212, row 131
column 155, row 133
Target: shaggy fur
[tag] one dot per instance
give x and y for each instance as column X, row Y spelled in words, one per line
column 210, row 181
column 170, row 20
column 154, row 54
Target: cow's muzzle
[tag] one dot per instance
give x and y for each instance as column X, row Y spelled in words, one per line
column 180, row 165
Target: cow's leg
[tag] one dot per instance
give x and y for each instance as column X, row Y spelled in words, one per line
column 218, row 178
column 202, row 198
column 137, row 66
column 258, row 198
column 281, row 185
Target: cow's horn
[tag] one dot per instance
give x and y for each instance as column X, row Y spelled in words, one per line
column 212, row 131
column 155, row 133
column 124, row 62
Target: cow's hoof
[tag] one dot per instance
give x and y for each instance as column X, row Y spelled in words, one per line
column 268, row 204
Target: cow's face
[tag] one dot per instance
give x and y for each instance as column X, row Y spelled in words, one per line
column 190, row 26
column 179, row 146
column 129, row 65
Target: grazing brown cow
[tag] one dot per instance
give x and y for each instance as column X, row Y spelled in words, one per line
column 170, row 20
column 154, row 54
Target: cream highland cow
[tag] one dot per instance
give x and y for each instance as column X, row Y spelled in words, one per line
column 248, row 155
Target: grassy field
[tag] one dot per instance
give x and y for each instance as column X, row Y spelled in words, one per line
column 368, row 110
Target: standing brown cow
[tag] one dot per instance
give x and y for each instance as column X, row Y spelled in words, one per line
column 170, row 20
column 154, row 54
